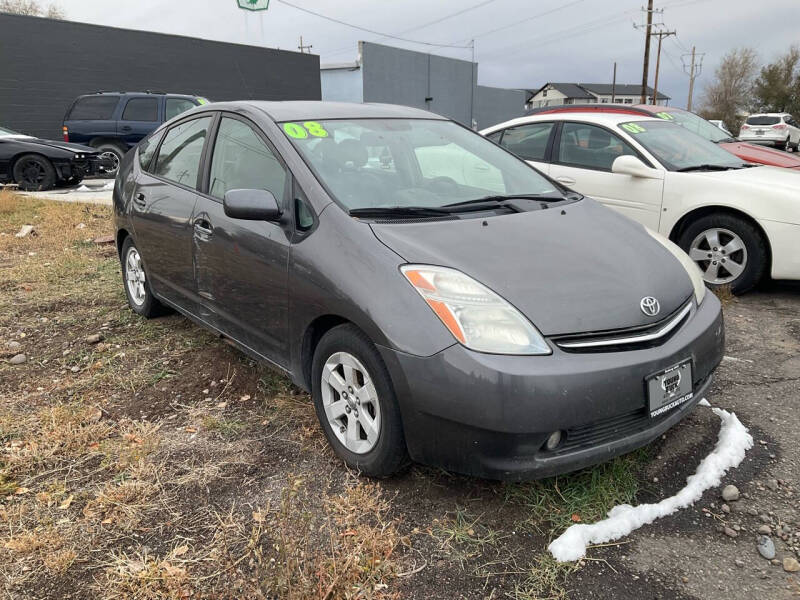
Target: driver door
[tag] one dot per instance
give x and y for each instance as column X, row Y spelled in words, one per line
column 582, row 159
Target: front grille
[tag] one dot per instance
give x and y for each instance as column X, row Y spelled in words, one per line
column 633, row 338
column 617, row 427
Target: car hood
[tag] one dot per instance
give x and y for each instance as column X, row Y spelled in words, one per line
column 61, row 145
column 762, row 154
column 581, row 269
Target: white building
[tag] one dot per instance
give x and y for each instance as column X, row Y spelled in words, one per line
column 551, row 94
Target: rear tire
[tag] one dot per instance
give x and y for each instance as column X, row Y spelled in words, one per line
column 34, row 173
column 346, row 360
column 729, row 247
column 115, row 153
column 137, row 283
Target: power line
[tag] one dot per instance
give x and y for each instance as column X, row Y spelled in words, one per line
column 367, row 30
column 424, row 25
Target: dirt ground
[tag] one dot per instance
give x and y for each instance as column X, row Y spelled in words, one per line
column 149, row 459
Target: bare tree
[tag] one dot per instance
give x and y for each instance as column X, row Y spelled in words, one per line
column 31, row 8
column 776, row 88
column 730, row 93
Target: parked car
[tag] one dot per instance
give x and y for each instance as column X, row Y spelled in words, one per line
column 114, row 122
column 753, row 153
column 721, row 125
column 738, row 221
column 35, row 164
column 445, row 302
column 778, row 129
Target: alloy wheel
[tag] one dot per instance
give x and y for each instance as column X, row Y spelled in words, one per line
column 111, row 156
column 33, row 173
column 351, row 403
column 135, row 277
column 721, row 255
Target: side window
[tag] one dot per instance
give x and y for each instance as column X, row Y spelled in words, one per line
column 242, row 160
column 141, row 109
column 176, row 106
column 528, row 141
column 147, row 148
column 179, row 157
column 94, row 108
column 590, row 147
column 495, row 136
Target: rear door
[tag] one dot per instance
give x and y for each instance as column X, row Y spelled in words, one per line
column 530, row 142
column 582, row 157
column 162, row 208
column 91, row 117
column 140, row 116
column 241, row 267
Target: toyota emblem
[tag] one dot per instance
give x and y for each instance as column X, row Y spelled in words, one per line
column 650, row 306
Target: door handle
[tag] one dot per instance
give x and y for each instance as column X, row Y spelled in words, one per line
column 565, row 180
column 139, row 200
column 126, row 128
column 203, row 226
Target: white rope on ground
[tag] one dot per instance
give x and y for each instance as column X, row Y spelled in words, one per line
column 734, row 440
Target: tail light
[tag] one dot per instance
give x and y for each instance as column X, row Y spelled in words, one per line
column 65, row 131
column 779, row 126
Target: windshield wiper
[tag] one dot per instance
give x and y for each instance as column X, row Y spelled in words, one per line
column 499, row 199
column 707, row 167
column 398, row 211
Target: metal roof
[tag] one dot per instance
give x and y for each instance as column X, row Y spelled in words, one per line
column 622, row 89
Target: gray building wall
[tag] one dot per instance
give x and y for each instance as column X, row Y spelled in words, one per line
column 342, row 84
column 495, row 105
column 435, row 83
column 45, row 64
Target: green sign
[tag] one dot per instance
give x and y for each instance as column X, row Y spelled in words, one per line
column 254, row 4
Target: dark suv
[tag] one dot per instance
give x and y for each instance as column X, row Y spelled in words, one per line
column 114, row 122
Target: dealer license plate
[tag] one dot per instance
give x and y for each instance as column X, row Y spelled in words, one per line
column 669, row 388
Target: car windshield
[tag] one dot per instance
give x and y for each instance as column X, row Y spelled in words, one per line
column 400, row 163
column 678, row 148
column 695, row 124
column 763, row 120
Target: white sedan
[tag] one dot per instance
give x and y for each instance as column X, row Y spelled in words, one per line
column 737, row 221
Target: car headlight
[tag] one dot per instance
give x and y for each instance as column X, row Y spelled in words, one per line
column 695, row 274
column 476, row 316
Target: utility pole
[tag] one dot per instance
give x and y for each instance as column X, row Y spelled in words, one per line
column 303, row 48
column 614, row 85
column 695, row 68
column 646, row 65
column 661, row 35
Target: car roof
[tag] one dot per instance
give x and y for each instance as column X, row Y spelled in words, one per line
column 608, row 118
column 302, row 110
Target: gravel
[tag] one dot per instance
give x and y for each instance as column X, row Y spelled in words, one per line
column 766, row 547
column 18, row 359
column 730, row 493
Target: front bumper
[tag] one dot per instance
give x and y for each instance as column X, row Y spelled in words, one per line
column 80, row 168
column 490, row 415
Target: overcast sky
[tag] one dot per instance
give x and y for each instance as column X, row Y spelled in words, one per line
column 519, row 43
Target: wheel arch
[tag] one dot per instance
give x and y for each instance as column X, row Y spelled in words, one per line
column 702, row 211
column 100, row 140
column 122, row 235
column 311, row 337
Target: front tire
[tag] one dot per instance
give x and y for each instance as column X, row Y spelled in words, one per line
column 729, row 250
column 136, row 283
column 34, row 173
column 355, row 403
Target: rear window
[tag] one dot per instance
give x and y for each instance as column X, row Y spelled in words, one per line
column 141, row 109
column 94, row 108
column 763, row 120
column 176, row 106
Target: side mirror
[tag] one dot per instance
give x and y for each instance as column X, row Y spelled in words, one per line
column 251, row 205
column 633, row 166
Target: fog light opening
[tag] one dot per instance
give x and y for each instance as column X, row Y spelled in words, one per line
column 553, row 441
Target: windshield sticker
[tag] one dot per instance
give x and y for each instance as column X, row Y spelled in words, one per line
column 301, row 132
column 202, row 101
column 633, row 128
column 665, row 115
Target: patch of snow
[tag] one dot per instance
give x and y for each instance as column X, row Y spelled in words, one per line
column 733, row 442
column 83, row 188
column 108, row 187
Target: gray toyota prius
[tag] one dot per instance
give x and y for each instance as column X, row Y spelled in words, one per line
column 442, row 300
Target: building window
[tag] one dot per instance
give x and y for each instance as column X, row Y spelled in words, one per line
column 544, row 93
column 628, row 100
column 603, row 100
